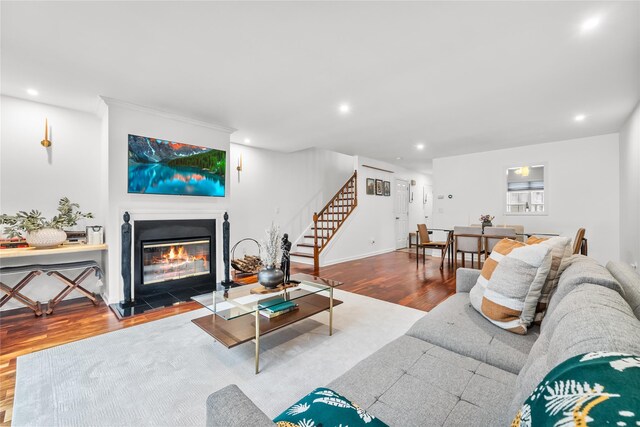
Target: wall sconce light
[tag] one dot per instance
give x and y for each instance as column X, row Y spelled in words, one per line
column 239, row 167
column 45, row 142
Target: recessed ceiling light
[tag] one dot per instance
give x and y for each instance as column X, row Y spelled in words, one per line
column 398, row 158
column 590, row 24
column 247, row 141
column 420, row 146
column 579, row 118
column 32, row 92
column 344, row 108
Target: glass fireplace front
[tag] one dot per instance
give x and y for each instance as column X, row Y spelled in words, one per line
column 172, row 260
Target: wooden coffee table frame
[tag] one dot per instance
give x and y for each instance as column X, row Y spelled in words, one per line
column 233, row 332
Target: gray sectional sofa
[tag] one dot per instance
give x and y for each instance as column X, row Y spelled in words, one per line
column 454, row 368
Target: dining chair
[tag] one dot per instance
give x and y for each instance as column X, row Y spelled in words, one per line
column 519, row 229
column 423, row 241
column 467, row 240
column 492, row 235
column 580, row 242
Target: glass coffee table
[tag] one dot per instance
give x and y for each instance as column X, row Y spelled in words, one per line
column 237, row 319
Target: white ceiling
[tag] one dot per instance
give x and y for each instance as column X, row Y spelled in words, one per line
column 457, row 76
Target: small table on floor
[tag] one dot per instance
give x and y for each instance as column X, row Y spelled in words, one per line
column 30, row 271
column 237, row 319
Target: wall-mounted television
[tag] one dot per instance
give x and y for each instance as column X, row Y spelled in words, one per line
column 157, row 166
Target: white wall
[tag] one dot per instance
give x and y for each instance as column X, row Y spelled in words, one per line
column 125, row 119
column 370, row 229
column 33, row 177
column 283, row 188
column 630, row 189
column 37, row 177
column 582, row 189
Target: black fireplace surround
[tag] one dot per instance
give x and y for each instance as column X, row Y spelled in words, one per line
column 167, row 231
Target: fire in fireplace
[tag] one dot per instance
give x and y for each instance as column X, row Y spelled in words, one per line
column 174, row 260
column 174, row 257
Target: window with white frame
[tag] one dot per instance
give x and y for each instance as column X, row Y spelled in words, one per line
column 525, row 190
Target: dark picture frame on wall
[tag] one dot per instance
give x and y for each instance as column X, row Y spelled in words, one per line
column 387, row 188
column 379, row 187
column 371, row 186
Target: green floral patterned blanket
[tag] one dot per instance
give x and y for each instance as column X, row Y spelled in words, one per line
column 592, row 389
column 326, row 408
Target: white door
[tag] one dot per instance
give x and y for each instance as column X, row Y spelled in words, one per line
column 401, row 212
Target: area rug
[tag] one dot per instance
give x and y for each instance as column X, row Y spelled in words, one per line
column 160, row 373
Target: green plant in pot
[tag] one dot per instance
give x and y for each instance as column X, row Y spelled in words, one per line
column 270, row 252
column 40, row 232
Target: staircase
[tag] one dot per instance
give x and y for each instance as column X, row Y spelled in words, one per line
column 328, row 221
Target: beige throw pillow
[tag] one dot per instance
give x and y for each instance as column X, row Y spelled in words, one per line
column 514, row 287
column 561, row 251
column 500, row 250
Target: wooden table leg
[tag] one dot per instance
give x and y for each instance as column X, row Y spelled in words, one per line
column 15, row 293
column 71, row 286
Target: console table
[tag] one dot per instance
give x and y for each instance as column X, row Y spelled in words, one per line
column 33, row 270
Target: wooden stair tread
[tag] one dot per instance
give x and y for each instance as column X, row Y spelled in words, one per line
column 306, row 245
column 301, row 254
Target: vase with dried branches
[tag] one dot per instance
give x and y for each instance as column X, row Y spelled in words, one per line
column 270, row 253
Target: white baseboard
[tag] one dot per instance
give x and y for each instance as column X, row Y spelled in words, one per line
column 355, row 257
column 302, row 260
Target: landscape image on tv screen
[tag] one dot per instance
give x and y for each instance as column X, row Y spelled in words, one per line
column 157, row 166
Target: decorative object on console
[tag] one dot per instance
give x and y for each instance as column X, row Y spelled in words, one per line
column 387, row 188
column 285, row 264
column 227, row 282
column 158, row 166
column 14, row 242
column 76, row 237
column 46, row 238
column 371, row 186
column 40, row 232
column 379, row 187
column 45, row 142
column 270, row 276
column 95, row 234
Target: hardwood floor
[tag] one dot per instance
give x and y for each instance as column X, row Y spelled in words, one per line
column 391, row 277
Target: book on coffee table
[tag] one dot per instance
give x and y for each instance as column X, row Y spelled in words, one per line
column 271, row 314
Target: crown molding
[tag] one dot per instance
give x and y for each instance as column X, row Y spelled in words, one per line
column 166, row 114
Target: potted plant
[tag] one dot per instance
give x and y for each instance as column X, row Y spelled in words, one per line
column 40, row 232
column 270, row 276
column 486, row 221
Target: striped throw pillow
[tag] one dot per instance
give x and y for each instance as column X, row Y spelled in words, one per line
column 514, row 288
column 561, row 250
column 502, row 248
